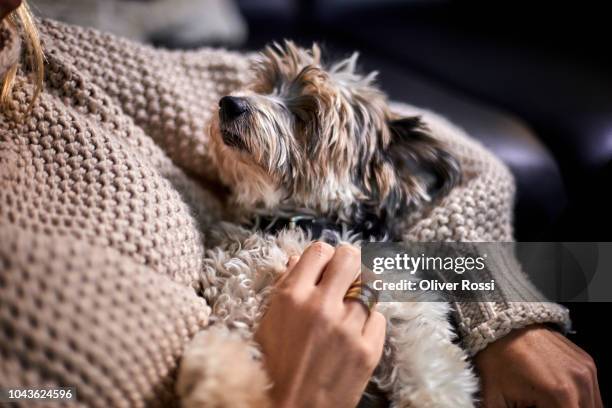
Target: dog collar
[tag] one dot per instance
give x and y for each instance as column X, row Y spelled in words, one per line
column 371, row 228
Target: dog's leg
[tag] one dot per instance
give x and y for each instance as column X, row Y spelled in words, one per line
column 421, row 367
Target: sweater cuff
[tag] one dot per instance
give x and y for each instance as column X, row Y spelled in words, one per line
column 506, row 317
column 221, row 369
column 516, row 304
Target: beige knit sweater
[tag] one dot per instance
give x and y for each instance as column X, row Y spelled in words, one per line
column 103, row 218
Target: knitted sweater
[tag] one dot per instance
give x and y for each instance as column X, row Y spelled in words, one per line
column 103, row 217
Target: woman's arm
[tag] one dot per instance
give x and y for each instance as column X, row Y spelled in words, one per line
column 518, row 360
column 480, row 210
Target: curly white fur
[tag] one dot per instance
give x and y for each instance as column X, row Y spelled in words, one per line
column 421, row 366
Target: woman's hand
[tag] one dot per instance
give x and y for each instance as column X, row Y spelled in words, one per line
column 319, row 350
column 537, row 367
column 6, row 6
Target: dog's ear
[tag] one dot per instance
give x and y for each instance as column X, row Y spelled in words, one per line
column 423, row 167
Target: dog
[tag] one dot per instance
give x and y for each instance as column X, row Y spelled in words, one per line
column 310, row 151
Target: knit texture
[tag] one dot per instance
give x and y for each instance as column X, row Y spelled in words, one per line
column 103, row 217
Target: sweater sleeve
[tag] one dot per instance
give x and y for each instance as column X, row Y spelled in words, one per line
column 481, row 323
column 480, row 210
column 89, row 318
column 170, row 94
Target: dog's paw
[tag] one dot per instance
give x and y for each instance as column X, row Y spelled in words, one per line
column 218, row 370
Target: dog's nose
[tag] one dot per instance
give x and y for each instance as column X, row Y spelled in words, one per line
column 233, row 106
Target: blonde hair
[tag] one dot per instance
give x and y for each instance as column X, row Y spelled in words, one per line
column 22, row 20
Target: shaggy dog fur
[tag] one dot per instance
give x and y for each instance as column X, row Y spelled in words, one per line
column 320, row 141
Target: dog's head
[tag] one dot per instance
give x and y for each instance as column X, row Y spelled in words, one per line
column 309, row 136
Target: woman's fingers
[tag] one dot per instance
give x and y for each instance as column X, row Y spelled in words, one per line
column 356, row 313
column 293, row 260
column 334, row 270
column 491, row 398
column 597, row 392
column 341, row 271
column 309, row 267
column 374, row 334
column 585, row 372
